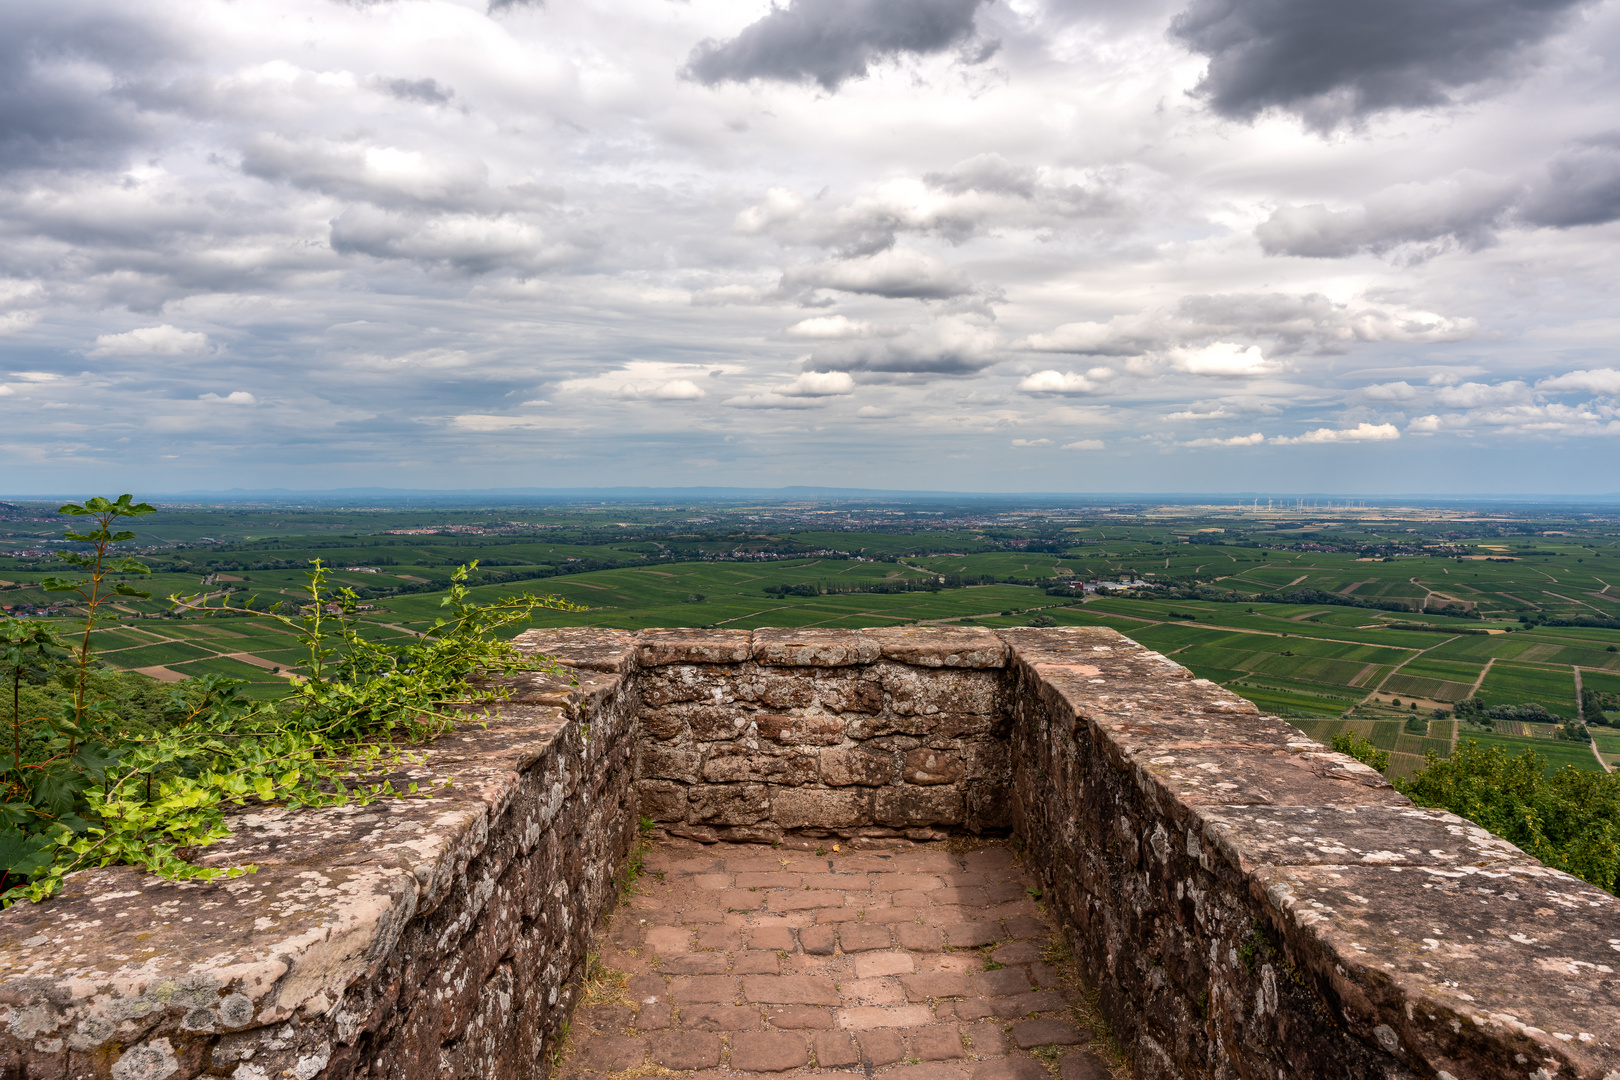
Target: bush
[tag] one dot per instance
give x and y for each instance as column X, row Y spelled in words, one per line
column 1569, row 820
column 1349, row 742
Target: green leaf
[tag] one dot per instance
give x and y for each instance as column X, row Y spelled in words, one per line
column 130, row 590
column 264, row 787
column 22, row 855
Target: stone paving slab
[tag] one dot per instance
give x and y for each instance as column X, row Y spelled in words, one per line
column 743, row 960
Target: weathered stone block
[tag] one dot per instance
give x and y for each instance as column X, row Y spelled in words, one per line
column 712, row 723
column 662, row 762
column 662, row 723
column 661, row 800
column 842, row 693
column 728, row 804
column 923, row 692
column 813, row 648
column 800, row 808
column 989, row 806
column 933, row 647
column 929, row 766
column 986, row 759
column 776, row 690
column 732, row 764
column 908, row 806
column 800, row 729
column 656, row 648
column 843, row 766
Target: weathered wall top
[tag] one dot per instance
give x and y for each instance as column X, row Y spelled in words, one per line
column 1247, row 902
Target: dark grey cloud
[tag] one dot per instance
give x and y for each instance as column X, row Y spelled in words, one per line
column 62, row 76
column 1581, row 186
column 831, row 41
column 1329, row 61
column 989, row 173
column 427, row 91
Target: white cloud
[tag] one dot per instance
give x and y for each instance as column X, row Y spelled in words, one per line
column 1032, row 442
column 819, row 384
column 875, row 412
column 1596, row 381
column 1225, row 360
column 6, row 391
column 1473, row 395
column 1362, row 432
column 1236, row 440
column 1083, row 444
column 1395, row 391
column 162, row 340
column 235, row 397
column 1052, row 381
column 831, row 326
column 779, row 207
column 770, row 400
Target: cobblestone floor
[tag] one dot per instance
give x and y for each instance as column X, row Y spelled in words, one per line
column 912, row 965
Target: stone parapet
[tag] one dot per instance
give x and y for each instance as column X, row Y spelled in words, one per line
column 1247, row 902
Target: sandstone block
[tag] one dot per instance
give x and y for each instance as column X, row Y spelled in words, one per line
column 970, row 935
column 660, row 762
column 771, row 937
column 925, row 766
column 835, row 1050
column 728, row 804
column 936, row 984
column 817, row 940
column 685, row 1050
column 767, row 1051
column 861, row 937
column 713, row 723
column 845, row 766
column 871, row 1017
column 800, row 1017
column 662, row 723
column 989, row 806
column 715, row 1017
column 881, row 1047
column 800, row 729
column 756, row 962
column 777, row 689
column 1039, row 1001
column 1083, row 1065
column 717, row 989
column 661, row 800
column 813, row 648
column 943, row 646
column 799, row 808
column 656, row 648
column 1001, row 983
column 941, row 1043
column 611, row 1053
column 915, row 691
column 907, row 806
column 731, row 764
column 1028, row 1033
column 842, row 693
column 1012, row 1068
column 789, row 990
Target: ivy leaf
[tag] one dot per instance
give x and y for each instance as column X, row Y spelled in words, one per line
column 22, row 855
column 96, row 759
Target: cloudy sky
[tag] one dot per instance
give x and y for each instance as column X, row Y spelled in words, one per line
column 990, row 245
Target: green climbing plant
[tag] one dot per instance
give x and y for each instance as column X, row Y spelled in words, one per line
column 85, row 785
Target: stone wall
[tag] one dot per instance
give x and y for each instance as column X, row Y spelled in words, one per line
column 1247, row 903
column 823, row 733
column 409, row 938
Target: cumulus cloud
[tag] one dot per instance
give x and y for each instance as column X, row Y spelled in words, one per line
column 972, row 198
column 898, row 274
column 1463, row 210
column 820, row 384
column 235, row 397
column 831, row 327
column 162, row 340
column 1473, row 395
column 1236, row 440
column 770, row 400
column 1224, row 359
column 1052, row 381
column 1549, row 420
column 1596, row 381
column 1394, row 391
column 1083, row 444
column 950, row 346
column 1362, row 432
column 1031, row 442
column 1579, row 186
column 831, row 41
column 1290, row 324
column 1330, row 62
